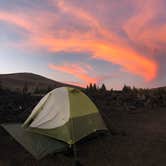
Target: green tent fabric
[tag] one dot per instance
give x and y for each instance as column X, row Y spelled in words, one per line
column 38, row 145
column 66, row 114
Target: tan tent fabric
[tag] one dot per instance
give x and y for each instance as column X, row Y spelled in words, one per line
column 55, row 112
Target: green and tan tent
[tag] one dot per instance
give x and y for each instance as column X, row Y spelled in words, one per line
column 65, row 115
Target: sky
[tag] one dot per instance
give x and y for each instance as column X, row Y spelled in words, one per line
column 114, row 42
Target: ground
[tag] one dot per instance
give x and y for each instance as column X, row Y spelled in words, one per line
column 138, row 139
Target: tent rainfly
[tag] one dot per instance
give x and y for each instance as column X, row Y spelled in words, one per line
column 61, row 118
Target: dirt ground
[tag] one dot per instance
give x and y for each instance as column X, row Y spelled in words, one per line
column 138, row 139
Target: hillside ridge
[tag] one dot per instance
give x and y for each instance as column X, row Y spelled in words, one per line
column 17, row 81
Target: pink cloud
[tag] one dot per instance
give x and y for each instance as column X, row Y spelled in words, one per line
column 77, row 71
column 143, row 29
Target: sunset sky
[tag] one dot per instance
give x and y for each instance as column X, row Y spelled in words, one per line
column 115, row 42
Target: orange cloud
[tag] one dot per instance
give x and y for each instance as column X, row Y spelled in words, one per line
column 77, row 71
column 129, row 59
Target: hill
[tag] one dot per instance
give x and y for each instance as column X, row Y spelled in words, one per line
column 18, row 81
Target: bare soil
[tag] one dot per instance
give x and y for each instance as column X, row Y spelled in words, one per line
column 138, row 139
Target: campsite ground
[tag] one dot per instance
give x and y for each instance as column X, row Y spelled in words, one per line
column 138, row 139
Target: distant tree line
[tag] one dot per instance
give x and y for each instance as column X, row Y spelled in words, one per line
column 94, row 87
column 129, row 98
column 16, row 106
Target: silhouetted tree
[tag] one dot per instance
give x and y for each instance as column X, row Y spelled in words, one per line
column 87, row 87
column 90, row 86
column 126, row 89
column 111, row 90
column 94, row 87
column 103, row 88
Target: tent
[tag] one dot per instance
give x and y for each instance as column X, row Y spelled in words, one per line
column 61, row 118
